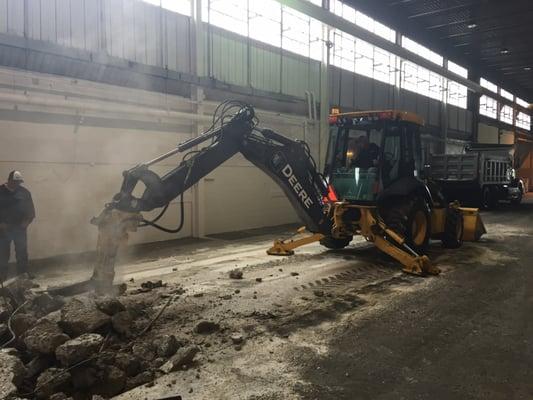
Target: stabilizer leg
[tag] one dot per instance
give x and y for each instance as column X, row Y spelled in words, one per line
column 285, row 247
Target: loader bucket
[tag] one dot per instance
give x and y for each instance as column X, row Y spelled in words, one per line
column 473, row 227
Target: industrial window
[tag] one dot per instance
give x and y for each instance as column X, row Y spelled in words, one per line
column 316, row 44
column 457, row 69
column 506, row 114
column 457, row 94
column 316, row 2
column 228, row 14
column 436, row 86
column 523, row 121
column 295, row 34
column 364, row 21
column 364, row 58
column 265, row 22
column 421, row 81
column 179, row 6
column 505, row 94
column 342, row 10
column 422, row 51
column 488, row 107
column 344, row 51
column 370, row 24
column 522, row 103
column 384, row 66
column 488, row 85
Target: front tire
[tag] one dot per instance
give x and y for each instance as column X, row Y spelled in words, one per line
column 452, row 237
column 488, row 198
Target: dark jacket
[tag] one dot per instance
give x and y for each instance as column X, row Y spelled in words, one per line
column 16, row 207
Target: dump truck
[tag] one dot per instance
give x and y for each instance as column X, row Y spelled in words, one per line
column 483, row 175
column 371, row 186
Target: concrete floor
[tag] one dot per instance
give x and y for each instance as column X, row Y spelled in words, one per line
column 346, row 324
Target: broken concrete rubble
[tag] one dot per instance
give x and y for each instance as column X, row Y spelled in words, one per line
column 109, row 305
column 128, row 363
column 183, row 357
column 79, row 317
column 140, row 379
column 113, row 381
column 44, row 337
column 235, row 274
column 20, row 323
column 166, row 346
column 122, row 323
column 206, row 327
column 75, row 350
column 12, row 373
column 51, row 381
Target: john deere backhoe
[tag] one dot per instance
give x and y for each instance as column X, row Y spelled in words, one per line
column 372, row 186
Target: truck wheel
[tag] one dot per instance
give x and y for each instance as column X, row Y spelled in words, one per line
column 452, row 237
column 412, row 220
column 517, row 201
column 488, row 198
column 335, row 244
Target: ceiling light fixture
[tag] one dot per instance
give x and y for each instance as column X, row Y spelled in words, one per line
column 472, row 25
column 505, row 51
column 527, row 68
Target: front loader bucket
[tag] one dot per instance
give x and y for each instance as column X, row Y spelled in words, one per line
column 473, row 227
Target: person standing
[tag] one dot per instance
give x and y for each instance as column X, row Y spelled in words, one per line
column 16, row 213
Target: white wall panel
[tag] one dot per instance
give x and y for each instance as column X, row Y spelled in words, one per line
column 3, row 16
column 63, row 22
column 48, row 21
column 15, row 17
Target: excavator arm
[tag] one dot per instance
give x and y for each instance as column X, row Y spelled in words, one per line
column 288, row 162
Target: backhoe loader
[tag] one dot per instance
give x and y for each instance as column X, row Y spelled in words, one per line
column 372, row 185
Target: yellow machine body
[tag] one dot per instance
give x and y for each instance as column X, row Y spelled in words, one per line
column 473, row 227
column 373, row 229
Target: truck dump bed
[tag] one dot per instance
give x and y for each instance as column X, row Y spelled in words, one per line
column 455, row 167
column 473, row 166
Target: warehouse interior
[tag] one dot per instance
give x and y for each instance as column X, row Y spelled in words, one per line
column 92, row 88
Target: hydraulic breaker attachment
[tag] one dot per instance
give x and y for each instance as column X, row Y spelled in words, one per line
column 285, row 247
column 473, row 227
column 113, row 227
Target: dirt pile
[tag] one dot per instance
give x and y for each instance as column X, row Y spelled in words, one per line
column 81, row 348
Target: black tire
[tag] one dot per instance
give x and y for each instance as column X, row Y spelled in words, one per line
column 452, row 237
column 488, row 198
column 517, row 201
column 335, row 244
column 412, row 220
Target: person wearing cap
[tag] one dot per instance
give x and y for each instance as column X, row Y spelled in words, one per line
column 16, row 214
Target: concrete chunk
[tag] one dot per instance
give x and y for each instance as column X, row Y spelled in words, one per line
column 183, row 357
column 12, row 373
column 44, row 337
column 79, row 317
column 79, row 349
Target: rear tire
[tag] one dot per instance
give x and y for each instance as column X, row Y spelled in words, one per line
column 412, row 220
column 335, row 244
column 452, row 237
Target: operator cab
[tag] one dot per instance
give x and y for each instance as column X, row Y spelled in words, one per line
column 370, row 151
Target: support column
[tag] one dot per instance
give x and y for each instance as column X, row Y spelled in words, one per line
column 473, row 106
column 324, row 95
column 198, row 55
